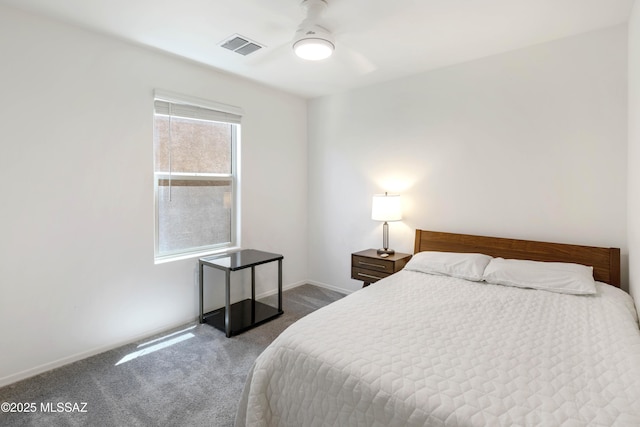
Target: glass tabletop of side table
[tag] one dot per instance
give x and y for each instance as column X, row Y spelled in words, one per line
column 235, row 318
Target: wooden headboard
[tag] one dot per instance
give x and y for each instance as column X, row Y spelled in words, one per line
column 605, row 261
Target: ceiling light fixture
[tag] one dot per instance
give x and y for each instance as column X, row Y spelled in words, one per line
column 313, row 48
column 312, row 41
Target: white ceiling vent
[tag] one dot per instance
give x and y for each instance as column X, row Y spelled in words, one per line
column 240, row 44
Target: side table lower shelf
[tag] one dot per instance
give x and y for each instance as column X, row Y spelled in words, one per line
column 243, row 316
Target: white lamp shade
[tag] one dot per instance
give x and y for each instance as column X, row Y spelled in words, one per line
column 386, row 207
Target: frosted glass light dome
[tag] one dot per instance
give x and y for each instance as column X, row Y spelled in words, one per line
column 313, row 49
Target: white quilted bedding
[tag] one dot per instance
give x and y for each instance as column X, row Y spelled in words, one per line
column 422, row 350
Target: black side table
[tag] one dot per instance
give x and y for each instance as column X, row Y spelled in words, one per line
column 235, row 318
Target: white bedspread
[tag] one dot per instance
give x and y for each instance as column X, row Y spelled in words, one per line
column 422, row 350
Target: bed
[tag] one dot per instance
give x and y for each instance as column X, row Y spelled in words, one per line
column 442, row 346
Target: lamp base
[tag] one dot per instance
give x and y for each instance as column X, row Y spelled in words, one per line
column 386, row 251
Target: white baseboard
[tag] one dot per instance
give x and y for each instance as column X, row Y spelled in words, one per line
column 304, row 282
column 275, row 291
column 13, row 378
column 28, row 373
column 330, row 287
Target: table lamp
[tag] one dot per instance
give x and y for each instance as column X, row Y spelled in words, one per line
column 386, row 207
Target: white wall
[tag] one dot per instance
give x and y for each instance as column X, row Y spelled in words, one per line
column 634, row 154
column 77, row 273
column 527, row 144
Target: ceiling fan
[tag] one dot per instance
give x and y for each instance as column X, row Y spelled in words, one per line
column 312, row 41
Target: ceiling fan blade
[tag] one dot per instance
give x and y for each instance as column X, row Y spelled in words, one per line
column 355, row 59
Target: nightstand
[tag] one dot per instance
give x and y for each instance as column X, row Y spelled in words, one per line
column 370, row 267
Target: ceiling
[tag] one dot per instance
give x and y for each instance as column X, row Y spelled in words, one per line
column 376, row 40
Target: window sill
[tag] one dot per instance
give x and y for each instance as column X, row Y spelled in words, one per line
column 170, row 258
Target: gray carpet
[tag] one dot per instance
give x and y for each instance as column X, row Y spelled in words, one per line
column 195, row 382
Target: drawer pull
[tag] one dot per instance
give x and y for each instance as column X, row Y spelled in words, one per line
column 368, row 276
column 373, row 265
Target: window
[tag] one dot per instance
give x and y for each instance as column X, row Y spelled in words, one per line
column 195, row 176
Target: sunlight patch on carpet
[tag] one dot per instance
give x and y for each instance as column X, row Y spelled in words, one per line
column 158, row 344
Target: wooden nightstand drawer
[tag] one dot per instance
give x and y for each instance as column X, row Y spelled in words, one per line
column 375, row 264
column 370, row 267
column 367, row 276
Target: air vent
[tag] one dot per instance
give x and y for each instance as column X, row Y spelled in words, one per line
column 240, row 44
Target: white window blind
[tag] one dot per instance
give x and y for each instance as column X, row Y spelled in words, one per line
column 174, row 109
column 196, row 175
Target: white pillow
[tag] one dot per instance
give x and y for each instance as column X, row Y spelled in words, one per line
column 562, row 277
column 454, row 264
